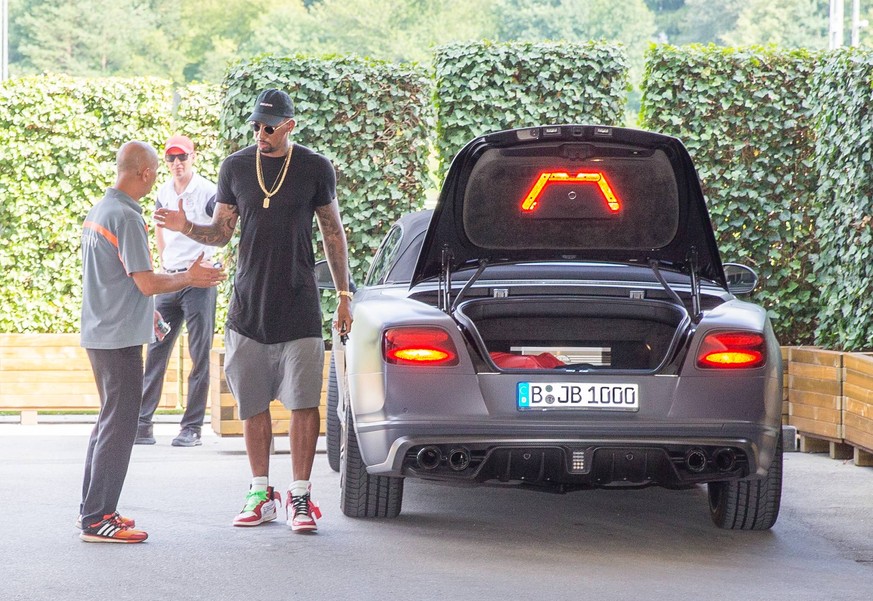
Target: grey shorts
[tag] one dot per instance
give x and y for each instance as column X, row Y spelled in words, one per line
column 257, row 373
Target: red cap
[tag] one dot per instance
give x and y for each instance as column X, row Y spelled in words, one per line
column 182, row 143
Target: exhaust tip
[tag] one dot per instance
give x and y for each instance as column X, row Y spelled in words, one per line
column 725, row 460
column 459, row 459
column 695, row 460
column 429, row 458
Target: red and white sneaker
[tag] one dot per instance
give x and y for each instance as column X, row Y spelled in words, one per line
column 260, row 507
column 302, row 512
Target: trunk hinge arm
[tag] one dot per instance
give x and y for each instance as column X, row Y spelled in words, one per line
column 653, row 265
column 482, row 265
column 445, row 280
column 695, row 284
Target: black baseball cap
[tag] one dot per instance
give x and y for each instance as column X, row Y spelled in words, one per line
column 272, row 108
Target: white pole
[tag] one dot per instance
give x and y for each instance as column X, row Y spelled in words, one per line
column 836, row 24
column 856, row 22
column 4, row 40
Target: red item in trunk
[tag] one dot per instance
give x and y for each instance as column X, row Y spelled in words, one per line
column 511, row 361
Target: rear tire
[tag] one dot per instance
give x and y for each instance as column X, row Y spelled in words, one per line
column 749, row 504
column 333, row 431
column 363, row 495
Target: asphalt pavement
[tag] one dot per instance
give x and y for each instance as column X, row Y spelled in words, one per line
column 449, row 543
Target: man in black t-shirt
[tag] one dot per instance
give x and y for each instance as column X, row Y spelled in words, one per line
column 273, row 341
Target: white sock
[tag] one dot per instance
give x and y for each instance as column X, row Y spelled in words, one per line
column 298, row 488
column 259, row 483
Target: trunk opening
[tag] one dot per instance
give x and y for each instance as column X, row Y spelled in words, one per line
column 567, row 333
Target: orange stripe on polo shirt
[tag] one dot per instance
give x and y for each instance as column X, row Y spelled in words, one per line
column 110, row 237
column 113, row 240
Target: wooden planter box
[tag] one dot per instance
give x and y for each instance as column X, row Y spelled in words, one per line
column 225, row 415
column 815, row 392
column 51, row 372
column 785, row 412
column 858, row 406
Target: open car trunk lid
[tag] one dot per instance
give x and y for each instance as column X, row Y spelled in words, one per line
column 571, row 193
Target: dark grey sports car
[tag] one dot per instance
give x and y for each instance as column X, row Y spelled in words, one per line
column 563, row 322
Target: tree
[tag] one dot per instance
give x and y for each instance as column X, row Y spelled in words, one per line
column 84, row 38
column 704, row 21
column 785, row 23
column 214, row 31
column 629, row 22
column 666, row 12
column 393, row 30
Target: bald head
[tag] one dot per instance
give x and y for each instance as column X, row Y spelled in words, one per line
column 137, row 164
column 135, row 156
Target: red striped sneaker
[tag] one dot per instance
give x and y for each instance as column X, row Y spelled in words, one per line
column 304, row 512
column 260, row 507
column 112, row 530
column 129, row 522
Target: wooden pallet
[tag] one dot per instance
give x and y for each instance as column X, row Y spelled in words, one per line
column 836, row 448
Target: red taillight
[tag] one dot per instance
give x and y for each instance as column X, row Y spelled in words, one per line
column 419, row 346
column 732, row 350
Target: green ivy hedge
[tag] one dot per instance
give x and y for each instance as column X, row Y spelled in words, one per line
column 746, row 117
column 843, row 86
column 59, row 137
column 483, row 87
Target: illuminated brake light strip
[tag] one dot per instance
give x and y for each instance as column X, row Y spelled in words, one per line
column 732, row 358
column 420, row 355
column 531, row 200
column 423, row 345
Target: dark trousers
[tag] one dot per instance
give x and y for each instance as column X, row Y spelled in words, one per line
column 118, row 374
column 194, row 307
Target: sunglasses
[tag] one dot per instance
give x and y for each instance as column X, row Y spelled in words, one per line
column 269, row 129
column 172, row 157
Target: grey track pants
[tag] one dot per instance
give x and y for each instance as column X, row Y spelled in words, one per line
column 118, row 374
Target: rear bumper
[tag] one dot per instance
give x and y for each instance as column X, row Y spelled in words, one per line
column 671, row 457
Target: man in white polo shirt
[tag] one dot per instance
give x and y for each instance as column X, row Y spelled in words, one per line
column 194, row 307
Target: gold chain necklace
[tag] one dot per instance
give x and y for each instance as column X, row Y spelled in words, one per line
column 280, row 178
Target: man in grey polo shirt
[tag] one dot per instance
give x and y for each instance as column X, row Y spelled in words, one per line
column 118, row 318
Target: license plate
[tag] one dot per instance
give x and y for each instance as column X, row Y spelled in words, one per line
column 563, row 395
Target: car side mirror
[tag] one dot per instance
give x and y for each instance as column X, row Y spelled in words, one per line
column 325, row 280
column 322, row 275
column 740, row 279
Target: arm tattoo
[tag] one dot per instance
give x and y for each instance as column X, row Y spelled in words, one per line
column 335, row 248
column 219, row 232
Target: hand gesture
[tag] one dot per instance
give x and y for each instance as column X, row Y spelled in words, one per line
column 202, row 274
column 173, row 219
